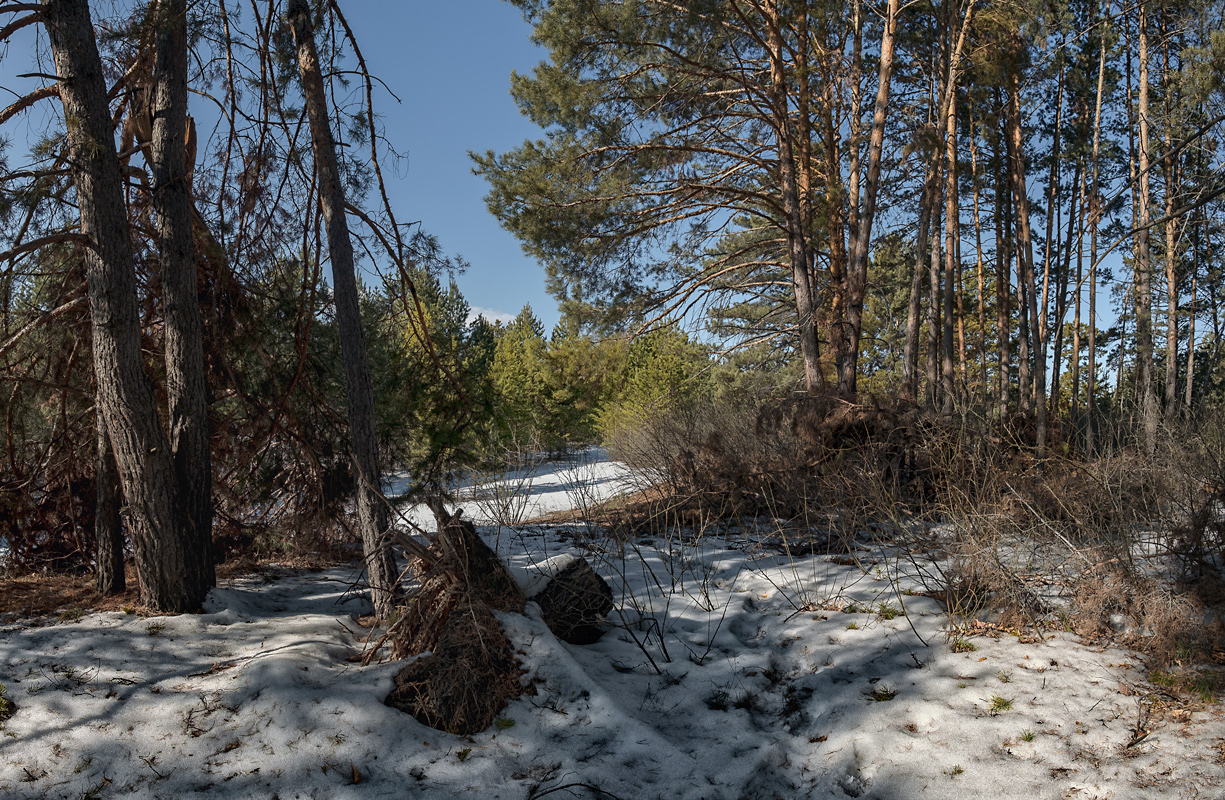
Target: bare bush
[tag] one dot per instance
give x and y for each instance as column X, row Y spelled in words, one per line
column 1118, row 544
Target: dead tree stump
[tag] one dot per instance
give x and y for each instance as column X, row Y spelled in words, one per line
column 575, row 602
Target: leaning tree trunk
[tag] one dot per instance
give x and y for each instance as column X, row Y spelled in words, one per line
column 372, row 511
column 124, row 395
column 186, row 386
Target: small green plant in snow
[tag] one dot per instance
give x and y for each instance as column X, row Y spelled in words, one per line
column 1000, row 704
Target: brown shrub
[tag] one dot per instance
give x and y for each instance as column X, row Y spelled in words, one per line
column 1148, row 614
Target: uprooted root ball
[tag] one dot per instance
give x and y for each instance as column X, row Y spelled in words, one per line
column 471, row 672
column 467, row 680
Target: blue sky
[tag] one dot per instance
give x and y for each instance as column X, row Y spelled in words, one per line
column 450, row 61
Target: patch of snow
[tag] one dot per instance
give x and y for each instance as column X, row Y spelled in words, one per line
column 547, row 487
column 731, row 671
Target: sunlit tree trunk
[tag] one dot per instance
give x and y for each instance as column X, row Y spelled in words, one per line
column 796, row 243
column 910, row 345
column 1024, row 384
column 1194, row 309
column 1096, row 207
column 1145, row 389
column 1025, row 250
column 979, row 274
column 1053, row 225
column 1003, row 279
column 947, row 370
column 931, row 394
column 861, row 240
column 806, row 180
column 1170, row 174
column 1077, row 296
column 1061, row 288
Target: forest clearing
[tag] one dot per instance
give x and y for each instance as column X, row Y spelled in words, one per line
column 810, row 398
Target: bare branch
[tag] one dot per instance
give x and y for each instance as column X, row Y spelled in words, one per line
column 27, row 101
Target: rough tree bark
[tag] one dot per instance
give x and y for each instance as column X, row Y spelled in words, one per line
column 931, row 395
column 910, row 345
column 1025, row 248
column 981, row 299
column 797, row 245
column 108, row 530
column 1194, row 309
column 951, row 218
column 1146, row 391
column 124, row 394
column 186, row 386
column 857, row 268
column 1095, row 204
column 372, row 512
column 1170, row 169
column 1003, row 280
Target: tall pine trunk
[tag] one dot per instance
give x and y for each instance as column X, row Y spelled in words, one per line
column 910, row 345
column 1193, row 310
column 1025, row 249
column 931, row 395
column 1146, row 391
column 372, row 512
column 1077, row 298
column 1091, row 346
column 1024, row 384
column 158, row 521
column 1061, row 288
column 797, row 245
column 979, row 275
column 948, row 375
column 1170, row 174
column 1095, row 202
column 186, row 387
column 857, row 268
column 1003, row 280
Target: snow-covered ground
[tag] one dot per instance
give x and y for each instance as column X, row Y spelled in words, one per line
column 578, row 482
column 734, row 672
